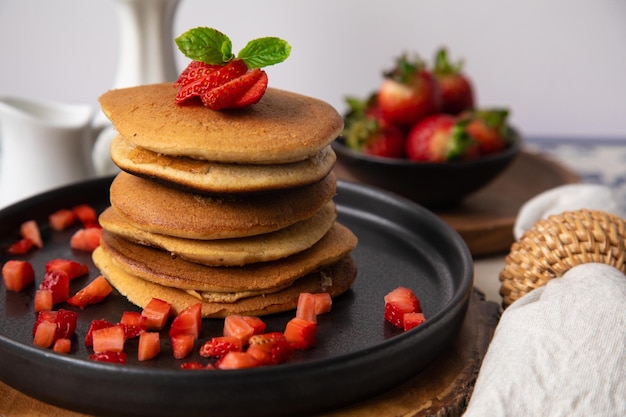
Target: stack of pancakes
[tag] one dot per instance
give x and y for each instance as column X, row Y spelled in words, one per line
column 231, row 208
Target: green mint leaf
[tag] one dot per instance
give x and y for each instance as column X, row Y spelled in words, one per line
column 262, row 52
column 205, row 44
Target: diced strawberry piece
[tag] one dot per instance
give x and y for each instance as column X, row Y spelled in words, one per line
column 21, row 247
column 62, row 345
column 182, row 345
column 219, row 346
column 108, row 339
column 306, row 307
column 323, row 303
column 270, row 348
column 196, row 366
column 30, row 230
column 45, row 316
column 96, row 325
column 61, row 219
column 17, row 275
column 45, row 334
column 43, row 300
column 73, row 269
column 87, row 239
column 237, row 326
column 237, row 360
column 188, row 321
column 301, row 333
column 94, row 292
column 66, row 323
column 134, row 324
column 149, row 345
column 86, row 215
column 398, row 302
column 411, row 320
column 59, row 283
column 156, row 312
column 257, row 324
column 111, row 357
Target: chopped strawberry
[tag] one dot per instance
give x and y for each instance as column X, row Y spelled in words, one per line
column 301, row 333
column 156, row 312
column 408, row 93
column 63, row 320
column 30, row 230
column 43, row 301
column 59, row 283
column 258, row 325
column 61, row 219
column 237, row 326
column 45, row 334
column 237, row 360
column 149, row 346
column 323, row 303
column 306, row 307
column 17, row 274
column 457, row 93
column 87, row 215
column 73, row 269
column 21, row 247
column 219, row 346
column 411, row 320
column 87, row 239
column 182, row 345
column 94, row 292
column 188, row 321
column 108, row 339
column 398, row 302
column 194, row 365
column 270, row 348
column 62, row 345
column 110, row 357
column 96, row 325
column 134, row 324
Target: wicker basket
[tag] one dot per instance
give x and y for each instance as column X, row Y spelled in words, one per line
column 558, row 243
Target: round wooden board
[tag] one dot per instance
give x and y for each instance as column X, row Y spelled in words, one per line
column 441, row 390
column 485, row 219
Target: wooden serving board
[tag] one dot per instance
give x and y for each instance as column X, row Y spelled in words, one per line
column 485, row 219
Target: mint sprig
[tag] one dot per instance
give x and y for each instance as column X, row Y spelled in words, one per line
column 213, row 47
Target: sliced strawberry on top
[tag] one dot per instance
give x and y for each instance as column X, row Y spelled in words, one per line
column 59, row 283
column 72, row 268
column 398, row 302
column 30, row 230
column 94, row 292
column 213, row 79
column 17, row 274
column 194, row 71
column 228, row 95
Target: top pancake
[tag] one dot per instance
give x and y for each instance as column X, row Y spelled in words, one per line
column 282, row 127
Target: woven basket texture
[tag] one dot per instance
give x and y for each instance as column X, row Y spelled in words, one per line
column 558, row 243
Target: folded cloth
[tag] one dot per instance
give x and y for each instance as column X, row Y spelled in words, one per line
column 559, row 351
column 565, row 198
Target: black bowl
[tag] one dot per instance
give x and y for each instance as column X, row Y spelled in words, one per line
column 431, row 184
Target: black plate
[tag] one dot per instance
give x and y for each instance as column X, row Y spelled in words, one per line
column 358, row 355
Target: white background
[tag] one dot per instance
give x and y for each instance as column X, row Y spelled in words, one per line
column 559, row 65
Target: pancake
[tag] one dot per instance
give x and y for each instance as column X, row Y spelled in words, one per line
column 158, row 266
column 206, row 176
column 157, row 208
column 282, row 127
column 231, row 252
column 335, row 279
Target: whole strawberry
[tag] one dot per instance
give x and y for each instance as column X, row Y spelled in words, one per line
column 439, row 138
column 217, row 77
column 366, row 131
column 457, row 93
column 489, row 128
column 408, row 93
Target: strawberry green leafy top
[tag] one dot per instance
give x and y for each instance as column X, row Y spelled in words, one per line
column 213, row 47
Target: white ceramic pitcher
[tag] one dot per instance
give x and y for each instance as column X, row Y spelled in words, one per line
column 43, row 145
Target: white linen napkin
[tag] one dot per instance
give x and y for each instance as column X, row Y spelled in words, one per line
column 561, row 349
